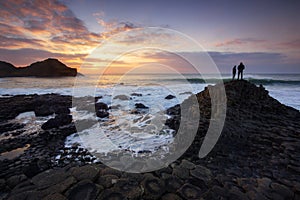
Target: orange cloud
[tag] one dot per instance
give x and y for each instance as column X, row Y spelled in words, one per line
column 50, row 26
column 46, row 25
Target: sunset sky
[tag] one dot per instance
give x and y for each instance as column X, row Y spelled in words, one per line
column 265, row 35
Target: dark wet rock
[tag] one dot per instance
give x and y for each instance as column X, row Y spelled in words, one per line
column 202, row 173
column 5, row 127
column 164, row 171
column 11, row 107
column 97, row 98
column 189, row 191
column 235, row 193
column 181, row 172
column 172, row 183
column 2, row 184
column 46, row 110
column 170, row 97
column 122, row 97
column 282, row 190
column 174, row 122
column 90, row 172
column 171, row 196
column 101, row 106
column 144, row 151
column 61, row 110
column 22, row 196
column 49, row 178
column 247, row 183
column 23, row 187
column 60, row 187
column 141, row 106
column 102, row 114
column 32, row 169
column 55, row 196
column 135, row 111
column 264, row 182
column 133, row 176
column 153, row 187
column 111, row 194
column 58, row 121
column 43, row 110
column 136, row 94
column 217, row 192
column 129, row 188
column 187, row 164
column 42, row 144
column 15, row 180
column 256, row 195
column 174, row 110
column 111, row 171
column 84, row 190
column 107, row 180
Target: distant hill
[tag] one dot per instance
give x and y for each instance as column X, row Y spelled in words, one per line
column 47, row 68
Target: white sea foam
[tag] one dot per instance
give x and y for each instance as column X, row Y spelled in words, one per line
column 135, row 132
column 122, row 129
column 32, row 124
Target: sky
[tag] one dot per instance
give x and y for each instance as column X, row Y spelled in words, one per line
column 264, row 35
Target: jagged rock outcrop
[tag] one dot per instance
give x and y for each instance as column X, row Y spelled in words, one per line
column 252, row 117
column 47, row 68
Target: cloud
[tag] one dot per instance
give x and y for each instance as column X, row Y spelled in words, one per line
column 113, row 26
column 257, row 61
column 293, row 44
column 51, row 26
column 31, row 30
column 240, row 41
column 15, row 42
column 106, row 61
column 148, row 37
column 47, row 24
column 257, row 56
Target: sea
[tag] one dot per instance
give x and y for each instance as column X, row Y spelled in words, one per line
column 135, row 132
column 283, row 87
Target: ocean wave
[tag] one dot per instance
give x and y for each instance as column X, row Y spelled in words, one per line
column 273, row 81
column 252, row 80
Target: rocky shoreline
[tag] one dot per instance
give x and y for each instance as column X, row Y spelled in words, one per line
column 256, row 156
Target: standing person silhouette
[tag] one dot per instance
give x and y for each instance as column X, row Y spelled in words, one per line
column 233, row 72
column 241, row 68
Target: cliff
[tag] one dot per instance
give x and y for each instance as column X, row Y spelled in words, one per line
column 257, row 149
column 47, row 68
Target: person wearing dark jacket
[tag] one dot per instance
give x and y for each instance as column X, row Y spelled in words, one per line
column 233, row 72
column 241, row 68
